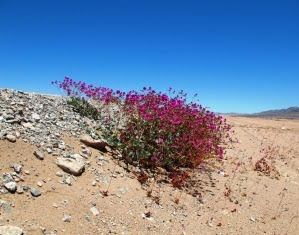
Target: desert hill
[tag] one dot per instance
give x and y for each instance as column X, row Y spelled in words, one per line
column 292, row 112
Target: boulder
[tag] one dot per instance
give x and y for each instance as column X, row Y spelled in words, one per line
column 73, row 165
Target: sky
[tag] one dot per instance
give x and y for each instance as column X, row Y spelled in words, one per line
column 239, row 56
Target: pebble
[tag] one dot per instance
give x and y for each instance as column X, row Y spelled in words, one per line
column 20, row 190
column 39, row 154
column 67, row 180
column 66, row 218
column 17, row 168
column 35, row 192
column 94, row 211
column 59, row 173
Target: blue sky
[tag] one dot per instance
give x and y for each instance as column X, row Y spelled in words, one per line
column 240, row 56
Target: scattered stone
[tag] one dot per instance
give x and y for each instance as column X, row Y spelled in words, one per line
column 10, row 230
column 39, row 154
column 17, row 168
column 94, row 183
column 40, row 184
column 18, row 134
column 11, row 187
column 11, row 138
column 20, row 190
column 26, row 188
column 74, row 166
column 94, row 211
column 61, row 146
column 7, row 178
column 66, row 218
column 35, row 192
column 67, row 180
column 59, row 173
column 5, row 206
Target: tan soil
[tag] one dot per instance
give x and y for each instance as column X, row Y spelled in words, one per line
column 250, row 203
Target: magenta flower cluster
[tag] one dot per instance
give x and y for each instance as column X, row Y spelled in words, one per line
column 161, row 130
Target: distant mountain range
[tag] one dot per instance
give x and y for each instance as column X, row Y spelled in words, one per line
column 292, row 112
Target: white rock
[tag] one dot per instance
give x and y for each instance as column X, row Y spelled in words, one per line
column 67, row 180
column 11, row 186
column 59, row 173
column 94, row 211
column 66, row 219
column 97, row 144
column 17, row 168
column 74, row 166
column 10, row 230
column 35, row 116
column 11, row 138
column 61, row 146
column 20, row 190
column 27, row 125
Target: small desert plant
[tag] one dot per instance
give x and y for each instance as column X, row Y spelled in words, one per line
column 156, row 130
column 266, row 164
column 82, row 106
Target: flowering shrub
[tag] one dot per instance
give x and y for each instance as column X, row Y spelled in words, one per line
column 160, row 130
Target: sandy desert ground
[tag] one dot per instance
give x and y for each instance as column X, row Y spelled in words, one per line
column 232, row 197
